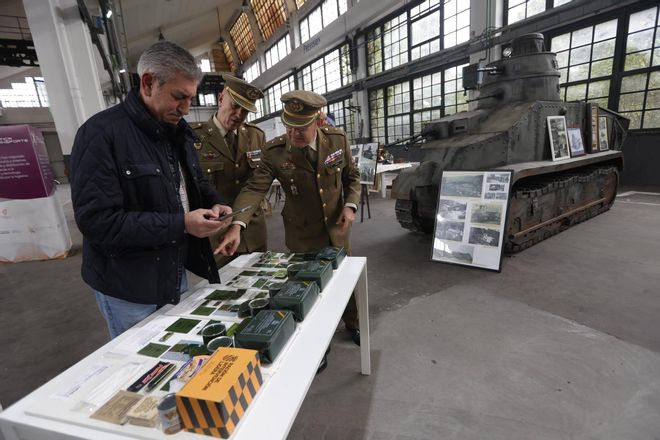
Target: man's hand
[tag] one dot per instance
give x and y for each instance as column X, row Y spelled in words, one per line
column 201, row 223
column 229, row 242
column 346, row 218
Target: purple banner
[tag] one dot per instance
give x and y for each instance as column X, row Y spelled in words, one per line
column 25, row 171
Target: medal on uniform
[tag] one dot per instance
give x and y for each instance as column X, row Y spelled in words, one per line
column 294, row 190
column 208, row 155
column 287, row 166
column 253, row 156
column 333, row 159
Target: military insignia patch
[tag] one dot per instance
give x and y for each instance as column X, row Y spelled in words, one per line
column 208, row 155
column 296, row 106
column 197, row 145
column 253, row 94
column 287, row 166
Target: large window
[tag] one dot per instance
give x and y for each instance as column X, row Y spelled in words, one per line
column 585, row 58
column 453, row 94
column 259, row 103
column 456, row 29
column 242, row 35
column 31, row 93
column 426, row 98
column 327, row 73
column 520, row 9
column 421, row 31
column 344, row 117
column 228, row 56
column 278, row 51
column 320, row 17
column 390, row 113
column 275, row 92
column 387, row 45
column 253, row 72
column 640, row 86
column 270, row 15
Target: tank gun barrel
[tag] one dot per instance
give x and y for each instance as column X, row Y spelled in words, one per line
column 412, row 140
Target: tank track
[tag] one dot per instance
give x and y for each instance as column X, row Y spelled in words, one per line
column 406, row 214
column 546, row 205
column 541, row 206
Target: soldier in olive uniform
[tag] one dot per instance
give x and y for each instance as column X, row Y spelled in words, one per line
column 322, row 185
column 229, row 152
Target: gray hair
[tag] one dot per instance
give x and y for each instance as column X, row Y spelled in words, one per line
column 165, row 59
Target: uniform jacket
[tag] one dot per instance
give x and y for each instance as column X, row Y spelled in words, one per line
column 315, row 196
column 126, row 204
column 229, row 172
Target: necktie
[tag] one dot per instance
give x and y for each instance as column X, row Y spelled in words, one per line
column 230, row 138
column 310, row 154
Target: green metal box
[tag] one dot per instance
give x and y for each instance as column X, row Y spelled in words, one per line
column 268, row 333
column 319, row 271
column 333, row 254
column 297, row 296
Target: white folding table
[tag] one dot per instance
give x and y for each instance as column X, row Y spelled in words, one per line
column 270, row 415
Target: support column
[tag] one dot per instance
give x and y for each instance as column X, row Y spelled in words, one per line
column 68, row 63
column 484, row 18
column 361, row 97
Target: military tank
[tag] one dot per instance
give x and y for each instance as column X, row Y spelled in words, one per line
column 508, row 131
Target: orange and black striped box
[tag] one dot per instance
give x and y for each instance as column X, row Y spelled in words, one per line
column 216, row 398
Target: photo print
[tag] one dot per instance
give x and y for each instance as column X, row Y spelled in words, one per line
column 484, row 236
column 367, row 164
column 462, row 185
column 471, row 218
column 558, row 138
column 356, row 152
column 452, row 210
column 486, row 213
column 575, row 141
column 452, row 231
column 603, row 134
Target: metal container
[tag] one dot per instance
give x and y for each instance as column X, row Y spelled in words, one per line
column 170, row 422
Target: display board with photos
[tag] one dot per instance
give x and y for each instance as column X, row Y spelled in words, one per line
column 558, row 138
column 356, row 152
column 575, row 141
column 470, row 224
column 603, row 133
column 367, row 163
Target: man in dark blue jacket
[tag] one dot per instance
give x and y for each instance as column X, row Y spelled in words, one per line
column 140, row 200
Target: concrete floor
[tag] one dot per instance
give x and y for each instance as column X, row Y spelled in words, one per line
column 563, row 344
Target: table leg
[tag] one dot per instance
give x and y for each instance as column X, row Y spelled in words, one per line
column 383, row 187
column 361, row 291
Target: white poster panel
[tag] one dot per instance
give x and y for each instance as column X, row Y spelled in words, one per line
column 367, row 164
column 470, row 224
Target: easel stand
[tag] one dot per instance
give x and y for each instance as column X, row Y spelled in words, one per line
column 364, row 195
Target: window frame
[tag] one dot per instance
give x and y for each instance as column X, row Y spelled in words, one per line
column 411, row 101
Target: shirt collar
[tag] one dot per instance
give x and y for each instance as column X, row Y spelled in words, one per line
column 221, row 129
column 313, row 145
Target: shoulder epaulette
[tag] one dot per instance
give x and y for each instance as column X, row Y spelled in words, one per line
column 247, row 124
column 333, row 130
column 196, row 125
column 275, row 142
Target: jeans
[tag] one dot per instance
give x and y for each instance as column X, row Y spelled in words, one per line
column 120, row 315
